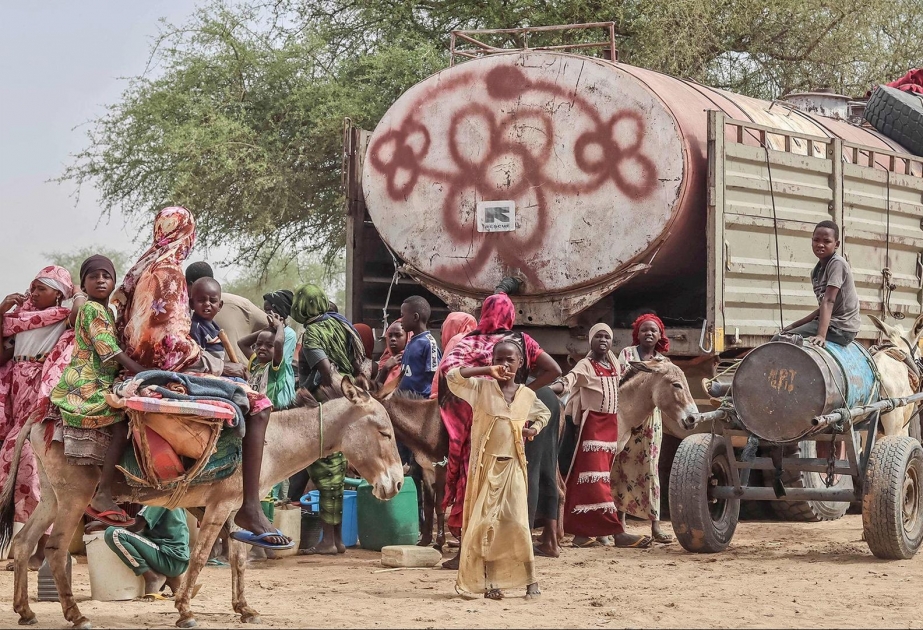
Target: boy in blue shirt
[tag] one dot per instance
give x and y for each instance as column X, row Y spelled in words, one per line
column 421, row 355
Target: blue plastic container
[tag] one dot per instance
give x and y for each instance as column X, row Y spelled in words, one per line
column 350, row 532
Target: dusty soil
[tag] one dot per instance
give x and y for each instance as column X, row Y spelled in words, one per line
column 774, row 575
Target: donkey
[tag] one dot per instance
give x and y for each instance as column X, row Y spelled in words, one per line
column 898, row 377
column 356, row 424
column 418, row 424
column 659, row 384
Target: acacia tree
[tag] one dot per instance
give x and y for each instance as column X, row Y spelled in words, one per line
column 240, row 112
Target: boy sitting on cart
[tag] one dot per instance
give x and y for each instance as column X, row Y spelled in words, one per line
column 837, row 317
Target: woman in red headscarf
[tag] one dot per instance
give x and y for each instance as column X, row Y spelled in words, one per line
column 37, row 346
column 636, row 475
column 476, row 350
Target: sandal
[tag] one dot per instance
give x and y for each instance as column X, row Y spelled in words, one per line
column 585, row 543
column 641, row 543
column 494, row 593
column 103, row 517
column 663, row 538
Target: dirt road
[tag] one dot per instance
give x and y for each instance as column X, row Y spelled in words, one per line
column 774, row 575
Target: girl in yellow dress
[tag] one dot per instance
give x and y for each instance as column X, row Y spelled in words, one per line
column 496, row 551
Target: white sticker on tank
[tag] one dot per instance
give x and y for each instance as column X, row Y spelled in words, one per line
column 496, row 216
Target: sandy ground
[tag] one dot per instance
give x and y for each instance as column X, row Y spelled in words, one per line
column 774, row 575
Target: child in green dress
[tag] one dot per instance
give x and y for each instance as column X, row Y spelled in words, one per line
column 81, row 393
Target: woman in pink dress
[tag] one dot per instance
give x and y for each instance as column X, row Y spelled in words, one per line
column 37, row 346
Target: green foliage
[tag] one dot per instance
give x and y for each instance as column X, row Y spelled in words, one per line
column 288, row 273
column 239, row 115
column 72, row 260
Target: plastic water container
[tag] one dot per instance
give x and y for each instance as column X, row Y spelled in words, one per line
column 350, row 529
column 110, row 579
column 287, row 519
column 384, row 523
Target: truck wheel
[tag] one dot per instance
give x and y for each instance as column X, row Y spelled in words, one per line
column 702, row 525
column 898, row 115
column 892, row 507
column 808, row 511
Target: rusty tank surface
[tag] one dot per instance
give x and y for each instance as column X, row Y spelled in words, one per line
column 780, row 387
column 577, row 174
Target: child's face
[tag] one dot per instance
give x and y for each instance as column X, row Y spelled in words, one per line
column 99, row 284
column 409, row 316
column 397, row 338
column 824, row 243
column 507, row 355
column 264, row 346
column 206, row 301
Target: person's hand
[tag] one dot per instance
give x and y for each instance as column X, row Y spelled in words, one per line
column 13, row 299
column 818, row 341
column 529, row 433
column 275, row 320
column 238, row 370
column 394, row 361
column 501, row 373
column 303, row 398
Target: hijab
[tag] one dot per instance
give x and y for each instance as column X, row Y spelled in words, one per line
column 96, row 262
column 26, row 317
column 330, row 332
column 613, row 360
column 281, row 302
column 152, row 305
column 663, row 346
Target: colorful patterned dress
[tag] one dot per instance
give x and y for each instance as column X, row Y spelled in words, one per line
column 81, row 392
column 635, row 476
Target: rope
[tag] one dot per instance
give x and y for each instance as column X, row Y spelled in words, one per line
column 775, row 229
column 394, row 280
column 886, row 275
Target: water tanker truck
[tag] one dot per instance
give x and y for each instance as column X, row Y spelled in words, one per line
column 610, row 190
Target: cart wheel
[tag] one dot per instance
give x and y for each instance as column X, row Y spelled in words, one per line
column 702, row 525
column 892, row 505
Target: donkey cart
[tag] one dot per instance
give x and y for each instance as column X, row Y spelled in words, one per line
column 782, row 393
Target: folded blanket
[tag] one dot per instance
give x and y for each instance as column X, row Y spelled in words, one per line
column 199, row 388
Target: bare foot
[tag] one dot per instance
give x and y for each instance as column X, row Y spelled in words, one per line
column 34, row 564
column 153, row 582
column 254, row 521
column 532, row 591
column 452, row 563
column 494, row 593
column 174, row 583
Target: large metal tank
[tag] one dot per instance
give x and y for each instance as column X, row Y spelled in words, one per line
column 780, row 387
column 575, row 173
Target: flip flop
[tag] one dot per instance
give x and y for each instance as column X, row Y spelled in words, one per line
column 642, row 543
column 592, row 542
column 215, row 562
column 259, row 540
column 156, row 597
column 102, row 517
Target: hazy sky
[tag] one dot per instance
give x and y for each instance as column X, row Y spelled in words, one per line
column 60, row 64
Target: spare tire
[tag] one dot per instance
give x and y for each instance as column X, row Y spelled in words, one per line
column 898, row 115
column 807, row 511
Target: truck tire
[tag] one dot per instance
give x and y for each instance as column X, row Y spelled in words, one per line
column 807, row 511
column 898, row 115
column 892, row 507
column 700, row 525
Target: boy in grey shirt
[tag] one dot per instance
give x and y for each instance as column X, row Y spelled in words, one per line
column 837, row 316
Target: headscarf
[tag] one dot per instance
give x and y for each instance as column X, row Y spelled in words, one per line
column 26, row 317
column 152, row 305
column 454, row 329
column 613, row 360
column 497, row 315
column 330, row 332
column 368, row 338
column 281, row 301
column 96, row 262
column 456, row 324
column 663, row 346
